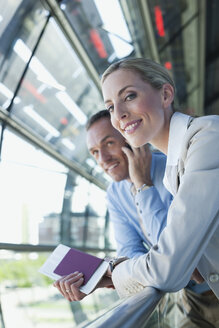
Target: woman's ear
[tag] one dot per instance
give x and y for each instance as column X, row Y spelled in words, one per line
column 167, row 95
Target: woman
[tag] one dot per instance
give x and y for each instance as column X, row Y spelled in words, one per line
column 139, row 94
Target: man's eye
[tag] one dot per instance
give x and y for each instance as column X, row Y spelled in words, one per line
column 109, row 143
column 130, row 96
column 110, row 108
column 94, row 153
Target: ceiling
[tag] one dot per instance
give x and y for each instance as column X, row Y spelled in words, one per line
column 188, row 42
column 52, row 55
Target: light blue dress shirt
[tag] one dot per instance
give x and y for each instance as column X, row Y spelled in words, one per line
column 149, row 207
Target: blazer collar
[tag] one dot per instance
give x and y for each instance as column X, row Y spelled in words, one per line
column 178, row 126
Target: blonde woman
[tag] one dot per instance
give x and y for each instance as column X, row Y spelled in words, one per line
column 139, row 95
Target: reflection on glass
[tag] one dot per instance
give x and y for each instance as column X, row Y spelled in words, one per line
column 89, row 225
column 56, row 95
column 174, row 23
column 32, row 187
column 21, row 20
column 104, row 39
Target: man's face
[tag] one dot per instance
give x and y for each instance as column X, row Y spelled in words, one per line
column 104, row 144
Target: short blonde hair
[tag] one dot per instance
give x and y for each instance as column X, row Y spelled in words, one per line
column 153, row 73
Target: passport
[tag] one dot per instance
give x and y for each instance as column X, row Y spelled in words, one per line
column 65, row 260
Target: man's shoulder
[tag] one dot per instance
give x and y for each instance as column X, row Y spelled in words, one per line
column 158, row 161
column 115, row 187
column 158, row 155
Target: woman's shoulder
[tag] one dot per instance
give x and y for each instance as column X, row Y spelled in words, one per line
column 202, row 136
column 210, row 120
column 203, row 124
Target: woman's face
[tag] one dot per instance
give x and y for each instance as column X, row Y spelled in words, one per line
column 136, row 108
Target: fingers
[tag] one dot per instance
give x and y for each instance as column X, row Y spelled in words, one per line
column 128, row 152
column 142, row 151
column 69, row 286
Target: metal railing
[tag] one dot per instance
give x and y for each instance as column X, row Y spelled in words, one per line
column 134, row 311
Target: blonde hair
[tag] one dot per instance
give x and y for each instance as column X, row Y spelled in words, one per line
column 153, row 73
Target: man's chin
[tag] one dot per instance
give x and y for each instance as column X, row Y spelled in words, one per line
column 116, row 178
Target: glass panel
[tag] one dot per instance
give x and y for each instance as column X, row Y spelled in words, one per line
column 104, row 39
column 57, row 95
column 133, row 16
column 175, row 26
column 33, row 300
column 32, row 187
column 89, row 224
column 19, row 20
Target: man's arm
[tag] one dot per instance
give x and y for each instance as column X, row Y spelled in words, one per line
column 148, row 170
column 129, row 242
column 192, row 221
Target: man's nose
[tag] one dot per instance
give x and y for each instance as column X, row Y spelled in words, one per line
column 104, row 156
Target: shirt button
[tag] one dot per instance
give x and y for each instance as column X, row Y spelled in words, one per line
column 214, row 277
column 140, row 211
column 137, row 204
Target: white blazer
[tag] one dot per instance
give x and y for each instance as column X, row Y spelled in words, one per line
column 191, row 237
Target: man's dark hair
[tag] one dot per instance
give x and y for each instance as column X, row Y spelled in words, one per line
column 96, row 117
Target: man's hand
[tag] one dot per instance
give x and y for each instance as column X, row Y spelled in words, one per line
column 69, row 286
column 139, row 160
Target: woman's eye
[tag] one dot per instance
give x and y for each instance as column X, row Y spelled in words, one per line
column 130, row 96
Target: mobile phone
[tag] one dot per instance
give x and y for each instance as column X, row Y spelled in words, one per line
column 128, row 146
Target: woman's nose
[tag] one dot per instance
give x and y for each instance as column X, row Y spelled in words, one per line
column 120, row 112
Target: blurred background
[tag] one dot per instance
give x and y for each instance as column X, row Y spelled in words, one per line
column 52, row 55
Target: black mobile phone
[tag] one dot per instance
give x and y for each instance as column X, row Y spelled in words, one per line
column 128, row 146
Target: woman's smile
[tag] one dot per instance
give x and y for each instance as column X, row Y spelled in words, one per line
column 130, row 127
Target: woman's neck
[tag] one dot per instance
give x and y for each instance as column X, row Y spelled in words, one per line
column 161, row 142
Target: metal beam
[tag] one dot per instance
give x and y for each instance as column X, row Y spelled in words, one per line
column 48, row 248
column 201, row 56
column 67, row 29
column 149, row 30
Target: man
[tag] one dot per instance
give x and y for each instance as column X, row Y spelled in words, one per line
column 138, row 213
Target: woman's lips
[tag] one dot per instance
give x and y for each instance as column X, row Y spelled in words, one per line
column 132, row 126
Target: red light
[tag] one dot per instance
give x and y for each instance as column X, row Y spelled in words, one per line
column 64, row 121
column 168, row 65
column 98, row 43
column 29, row 86
column 159, row 21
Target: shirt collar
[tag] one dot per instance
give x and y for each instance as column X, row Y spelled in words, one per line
column 178, row 126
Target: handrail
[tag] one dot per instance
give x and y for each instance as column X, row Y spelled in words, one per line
column 49, row 248
column 132, row 312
